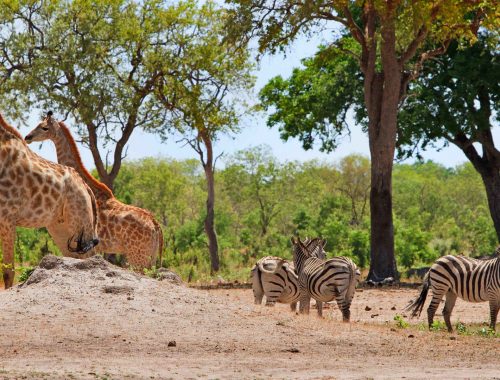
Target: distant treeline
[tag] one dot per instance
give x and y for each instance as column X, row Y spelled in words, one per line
column 261, row 202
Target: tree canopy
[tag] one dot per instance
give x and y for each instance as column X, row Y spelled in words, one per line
column 393, row 41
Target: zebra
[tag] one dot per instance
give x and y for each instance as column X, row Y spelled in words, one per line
column 472, row 280
column 324, row 280
column 275, row 278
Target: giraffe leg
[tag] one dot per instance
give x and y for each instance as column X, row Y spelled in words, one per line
column 138, row 261
column 448, row 308
column 494, row 307
column 431, row 310
column 8, row 235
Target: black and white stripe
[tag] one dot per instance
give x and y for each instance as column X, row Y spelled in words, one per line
column 324, row 280
column 276, row 279
column 458, row 276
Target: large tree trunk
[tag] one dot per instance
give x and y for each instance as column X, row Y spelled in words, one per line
column 491, row 181
column 213, row 246
column 382, row 95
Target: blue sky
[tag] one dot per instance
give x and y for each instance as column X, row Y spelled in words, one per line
column 253, row 130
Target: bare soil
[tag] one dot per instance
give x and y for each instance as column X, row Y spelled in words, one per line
column 90, row 320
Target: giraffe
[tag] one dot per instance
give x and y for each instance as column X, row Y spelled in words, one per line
column 37, row 193
column 122, row 228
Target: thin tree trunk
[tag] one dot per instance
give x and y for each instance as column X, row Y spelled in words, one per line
column 209, row 223
column 489, row 170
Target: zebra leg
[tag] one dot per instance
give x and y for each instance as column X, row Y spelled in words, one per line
column 270, row 302
column 258, row 298
column 451, row 298
column 431, row 310
column 345, row 308
column 494, row 307
column 319, row 306
column 293, row 306
column 258, row 291
column 305, row 300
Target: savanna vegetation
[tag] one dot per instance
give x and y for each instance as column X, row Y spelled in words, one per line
column 412, row 74
column 262, row 202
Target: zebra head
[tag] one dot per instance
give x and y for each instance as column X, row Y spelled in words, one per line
column 301, row 251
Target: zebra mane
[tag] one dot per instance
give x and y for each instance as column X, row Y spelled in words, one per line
column 302, row 251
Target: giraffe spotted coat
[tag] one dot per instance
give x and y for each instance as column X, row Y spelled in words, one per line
column 36, row 193
column 124, row 229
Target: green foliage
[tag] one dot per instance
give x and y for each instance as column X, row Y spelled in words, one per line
column 401, row 322
column 438, row 326
column 25, row 273
column 454, row 99
column 263, row 202
column 312, row 104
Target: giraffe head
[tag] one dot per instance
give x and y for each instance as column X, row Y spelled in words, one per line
column 47, row 129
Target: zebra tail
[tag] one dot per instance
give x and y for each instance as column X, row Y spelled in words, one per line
column 416, row 306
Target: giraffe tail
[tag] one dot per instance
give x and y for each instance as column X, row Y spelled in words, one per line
column 94, row 207
column 159, row 230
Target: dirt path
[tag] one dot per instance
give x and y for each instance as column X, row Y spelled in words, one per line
column 89, row 320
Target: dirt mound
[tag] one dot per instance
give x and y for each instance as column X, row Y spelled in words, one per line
column 56, row 270
column 87, row 319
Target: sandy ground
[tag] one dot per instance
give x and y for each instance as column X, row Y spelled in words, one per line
column 90, row 320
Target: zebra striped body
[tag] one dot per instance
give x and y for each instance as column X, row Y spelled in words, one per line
column 458, row 276
column 325, row 280
column 276, row 278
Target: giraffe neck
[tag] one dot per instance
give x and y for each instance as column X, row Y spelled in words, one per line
column 8, row 131
column 68, row 154
column 64, row 154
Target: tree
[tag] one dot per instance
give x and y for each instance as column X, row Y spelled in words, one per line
column 90, row 60
column 254, row 176
column 457, row 99
column 203, row 95
column 392, row 39
column 354, row 183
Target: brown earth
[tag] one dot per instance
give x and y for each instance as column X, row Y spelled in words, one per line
column 90, row 320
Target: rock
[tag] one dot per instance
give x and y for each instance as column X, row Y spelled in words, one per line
column 94, row 262
column 172, row 343
column 367, row 308
column 51, row 262
column 168, row 275
column 393, row 308
column 417, row 272
column 37, row 276
column 293, row 350
column 411, row 336
column 117, row 289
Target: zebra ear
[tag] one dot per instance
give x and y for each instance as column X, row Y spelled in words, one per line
column 292, row 239
column 323, row 243
column 303, row 248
